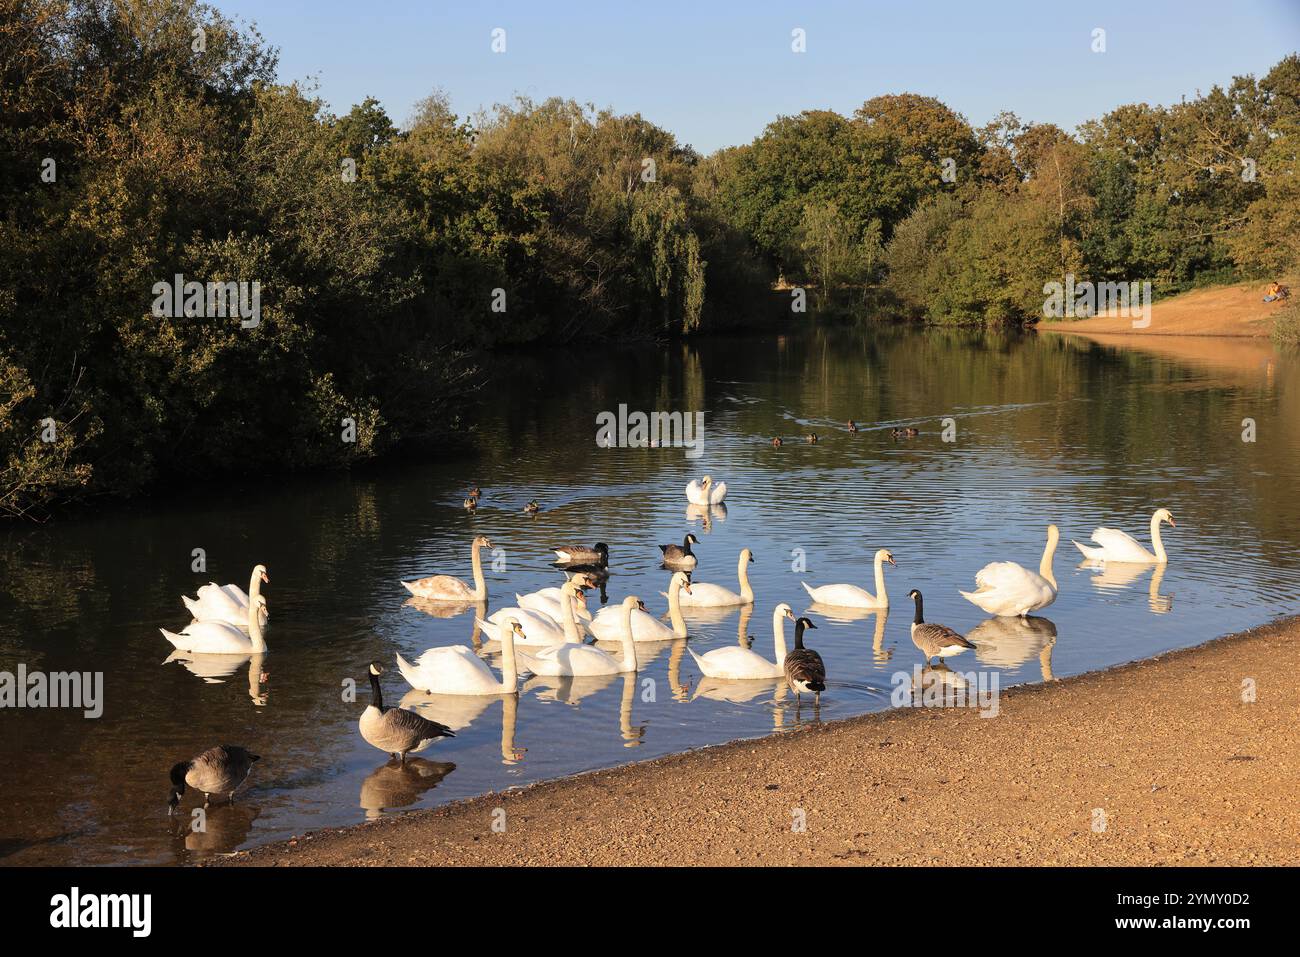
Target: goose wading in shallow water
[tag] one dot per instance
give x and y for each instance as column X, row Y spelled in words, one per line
column 704, row 595
column 608, row 626
column 704, row 492
column 597, row 554
column 734, row 663
column 228, row 603
column 540, row 628
column 396, row 730
column 455, row 669
column 681, row 556
column 578, row 660
column 219, row 770
column 1121, row 547
column 804, row 668
column 1006, row 588
column 223, row 638
column 447, row 588
column 934, row 640
column 851, row 596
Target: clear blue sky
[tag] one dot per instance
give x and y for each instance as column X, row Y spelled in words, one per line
column 715, row 73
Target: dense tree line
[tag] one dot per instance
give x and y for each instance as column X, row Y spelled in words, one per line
column 144, row 139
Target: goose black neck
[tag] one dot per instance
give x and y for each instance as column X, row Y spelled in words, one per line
column 376, row 692
column 686, row 545
column 920, row 616
column 798, row 634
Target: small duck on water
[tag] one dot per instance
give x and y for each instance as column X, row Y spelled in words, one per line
column 776, row 442
column 908, row 433
column 532, row 508
column 853, row 426
column 811, row 438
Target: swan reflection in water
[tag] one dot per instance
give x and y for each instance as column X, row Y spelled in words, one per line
column 215, row 669
column 707, row 514
column 218, row 828
column 447, row 609
column 393, row 785
column 459, row 711
column 1008, row 643
column 1120, row 576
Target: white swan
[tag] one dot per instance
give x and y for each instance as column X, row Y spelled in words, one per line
column 851, row 596
column 220, row 637
column 1006, row 588
column 228, row 603
column 547, row 601
column 704, row 492
column 704, row 595
column 455, row 669
column 607, row 626
column 447, row 588
column 735, row 663
column 579, row 660
column 1116, row 546
column 539, row 628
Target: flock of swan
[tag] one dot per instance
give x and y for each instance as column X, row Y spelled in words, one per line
column 551, row 631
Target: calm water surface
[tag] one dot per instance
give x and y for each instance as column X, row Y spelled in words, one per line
column 1049, row 429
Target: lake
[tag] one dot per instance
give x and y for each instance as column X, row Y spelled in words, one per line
column 1044, row 428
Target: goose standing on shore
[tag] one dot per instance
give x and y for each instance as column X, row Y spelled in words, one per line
column 228, row 603
column 447, row 588
column 219, row 770
column 579, row 660
column 851, row 596
column 397, row 730
column 681, row 556
column 1114, row 545
column 804, row 668
column 597, row 554
column 704, row 492
column 704, row 595
column 607, row 626
column 735, row 663
column 934, row 640
column 455, row 669
column 223, row 638
column 1006, row 588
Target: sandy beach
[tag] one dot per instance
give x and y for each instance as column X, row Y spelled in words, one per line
column 1162, row 761
column 1236, row 310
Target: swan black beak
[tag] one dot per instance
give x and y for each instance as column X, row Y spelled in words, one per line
column 891, row 560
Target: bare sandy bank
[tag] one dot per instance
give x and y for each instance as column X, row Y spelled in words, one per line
column 1165, row 753
column 1236, row 310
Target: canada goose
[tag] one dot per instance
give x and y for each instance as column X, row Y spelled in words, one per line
column 1006, row 588
column 803, row 666
column 680, row 556
column 219, row 770
column 223, row 638
column 447, row 588
column 851, row 596
column 396, row 730
column 934, row 640
column 811, row 438
column 705, row 491
column 776, row 442
column 1121, row 547
column 853, row 426
column 597, row 554
column 532, row 508
column 705, row 595
column 228, row 603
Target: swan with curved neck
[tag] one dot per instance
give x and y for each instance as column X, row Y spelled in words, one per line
column 448, row 588
column 228, row 603
column 455, row 669
column 606, row 626
column 705, row 491
column 735, row 663
column 851, row 596
column 1006, row 588
column 541, row 628
column 583, row 660
column 705, row 595
column 1114, row 545
column 223, row 638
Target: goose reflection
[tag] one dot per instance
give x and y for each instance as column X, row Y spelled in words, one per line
column 1119, row 576
column 941, row 682
column 393, row 785
column 220, row 829
column 458, row 711
column 215, row 669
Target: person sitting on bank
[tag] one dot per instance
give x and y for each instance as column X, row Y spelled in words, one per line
column 1276, row 291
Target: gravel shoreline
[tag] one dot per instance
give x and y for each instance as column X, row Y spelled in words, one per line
column 1161, row 761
